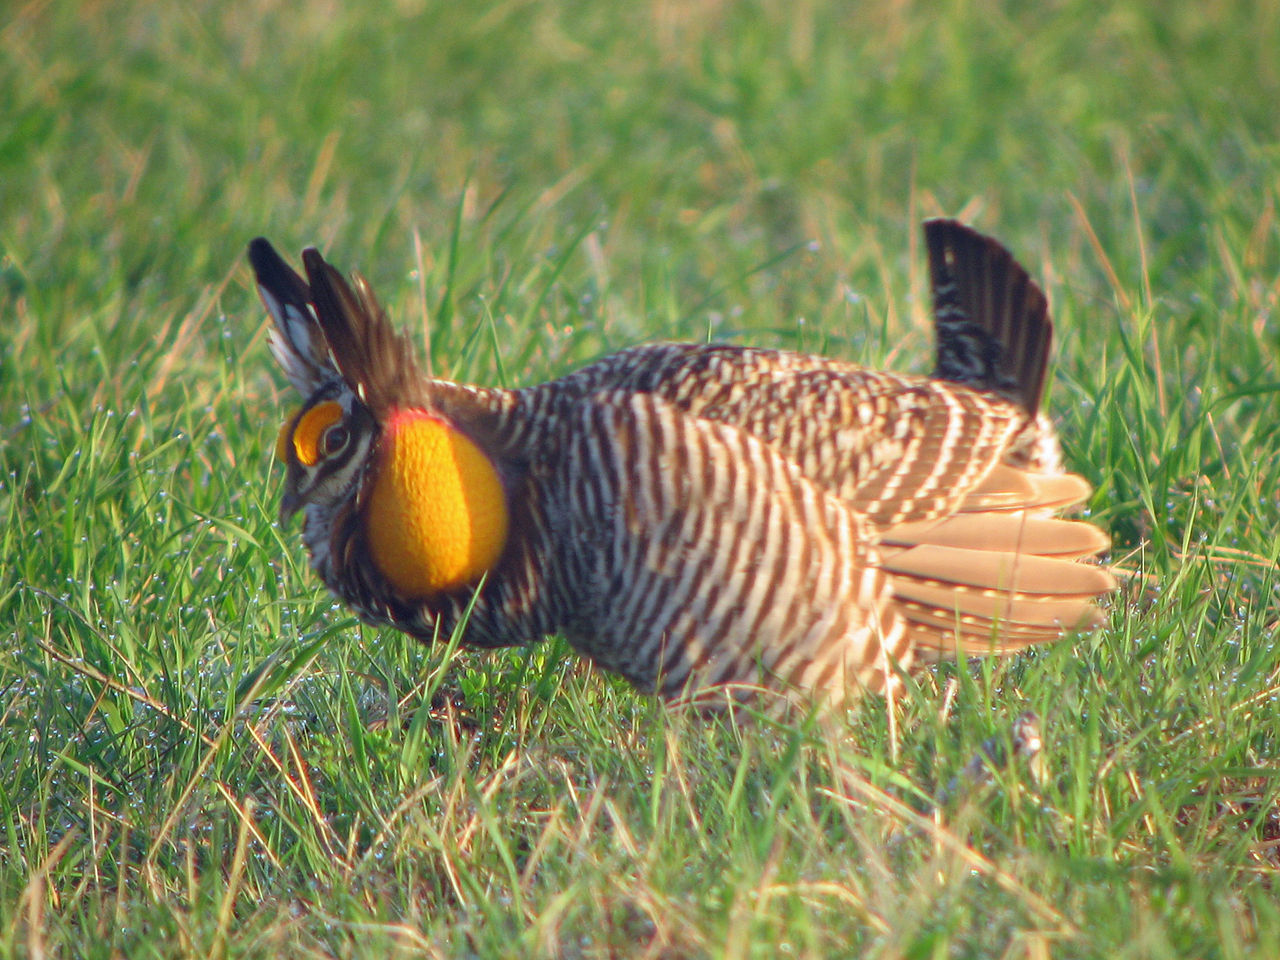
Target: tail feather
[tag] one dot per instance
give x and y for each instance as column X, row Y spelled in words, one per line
column 992, row 321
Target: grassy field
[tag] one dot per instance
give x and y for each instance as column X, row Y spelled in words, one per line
column 202, row 756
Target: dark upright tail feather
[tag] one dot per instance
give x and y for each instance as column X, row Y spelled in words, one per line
column 992, row 321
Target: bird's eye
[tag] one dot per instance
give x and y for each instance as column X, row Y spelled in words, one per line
column 335, row 438
column 319, row 432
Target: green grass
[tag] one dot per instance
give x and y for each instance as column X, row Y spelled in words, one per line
column 202, row 756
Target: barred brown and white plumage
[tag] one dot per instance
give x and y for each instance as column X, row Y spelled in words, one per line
column 697, row 517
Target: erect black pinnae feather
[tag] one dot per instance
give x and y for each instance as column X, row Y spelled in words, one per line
column 373, row 357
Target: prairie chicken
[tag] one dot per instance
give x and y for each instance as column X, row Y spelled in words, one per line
column 698, row 518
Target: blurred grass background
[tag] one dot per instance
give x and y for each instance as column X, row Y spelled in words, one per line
column 203, row 756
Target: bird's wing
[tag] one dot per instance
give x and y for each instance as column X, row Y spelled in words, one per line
column 894, row 448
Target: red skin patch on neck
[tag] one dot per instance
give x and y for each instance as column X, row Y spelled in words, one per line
column 400, row 416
